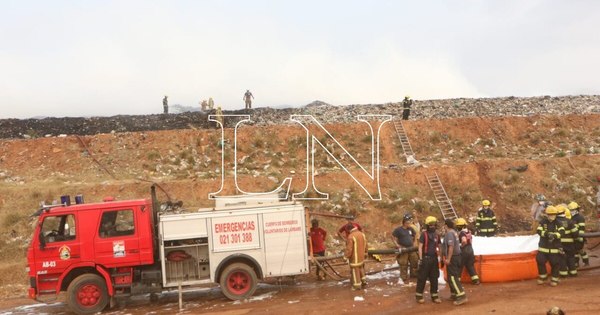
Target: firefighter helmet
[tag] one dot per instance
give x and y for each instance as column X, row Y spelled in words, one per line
column 540, row 197
column 573, row 205
column 430, row 220
column 486, row 202
column 561, row 208
column 551, row 210
column 407, row 217
column 460, row 222
column 568, row 213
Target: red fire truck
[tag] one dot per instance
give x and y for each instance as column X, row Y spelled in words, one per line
column 96, row 252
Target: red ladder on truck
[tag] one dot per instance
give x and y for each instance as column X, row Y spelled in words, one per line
column 443, row 201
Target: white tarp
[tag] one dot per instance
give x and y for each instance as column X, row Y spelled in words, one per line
column 505, row 244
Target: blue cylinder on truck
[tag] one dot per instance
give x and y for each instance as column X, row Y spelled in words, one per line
column 65, row 200
column 78, row 199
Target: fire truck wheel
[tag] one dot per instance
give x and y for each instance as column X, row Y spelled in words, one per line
column 87, row 294
column 238, row 281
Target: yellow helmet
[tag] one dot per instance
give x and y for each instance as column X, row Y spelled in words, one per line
column 486, row 202
column 460, row 222
column 406, row 96
column 551, row 210
column 561, row 208
column 568, row 213
column 430, row 220
column 573, row 205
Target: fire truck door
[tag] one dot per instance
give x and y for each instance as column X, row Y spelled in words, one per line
column 117, row 240
column 60, row 245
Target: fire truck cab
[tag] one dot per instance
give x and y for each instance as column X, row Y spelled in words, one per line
column 98, row 251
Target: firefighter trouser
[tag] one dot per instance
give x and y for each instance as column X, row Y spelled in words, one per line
column 468, row 261
column 428, row 270
column 405, row 113
column 541, row 258
column 357, row 275
column 580, row 253
column 403, row 261
column 453, row 270
column 486, row 232
column 567, row 261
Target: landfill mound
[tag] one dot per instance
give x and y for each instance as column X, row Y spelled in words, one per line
column 325, row 113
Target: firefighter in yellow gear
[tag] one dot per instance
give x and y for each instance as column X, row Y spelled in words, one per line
column 356, row 251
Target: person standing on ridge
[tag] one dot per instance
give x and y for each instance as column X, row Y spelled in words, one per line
column 486, row 224
column 317, row 239
column 248, row 99
column 219, row 116
column 466, row 249
column 549, row 247
column 453, row 262
column 404, row 237
column 211, row 103
column 428, row 261
column 356, row 251
column 406, row 105
column 165, row 105
column 204, row 105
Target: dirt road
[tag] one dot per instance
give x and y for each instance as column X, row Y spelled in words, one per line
column 383, row 296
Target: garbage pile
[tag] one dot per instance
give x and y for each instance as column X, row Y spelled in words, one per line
column 325, row 113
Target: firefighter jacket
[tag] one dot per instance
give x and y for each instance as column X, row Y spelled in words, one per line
column 550, row 233
column 486, row 220
column 356, row 248
column 579, row 222
column 571, row 231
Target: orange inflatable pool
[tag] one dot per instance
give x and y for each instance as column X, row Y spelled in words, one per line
column 504, row 267
column 501, row 259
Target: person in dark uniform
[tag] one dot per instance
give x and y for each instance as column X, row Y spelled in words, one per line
column 486, row 224
column 406, row 105
column 453, row 262
column 567, row 260
column 579, row 220
column 404, row 237
column 165, row 105
column 549, row 247
column 466, row 249
column 428, row 261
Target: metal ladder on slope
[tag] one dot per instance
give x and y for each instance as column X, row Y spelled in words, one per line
column 448, row 211
column 408, row 151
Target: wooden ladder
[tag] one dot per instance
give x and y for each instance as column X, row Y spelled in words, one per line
column 408, row 151
column 448, row 211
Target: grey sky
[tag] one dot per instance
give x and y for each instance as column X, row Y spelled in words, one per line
column 74, row 58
